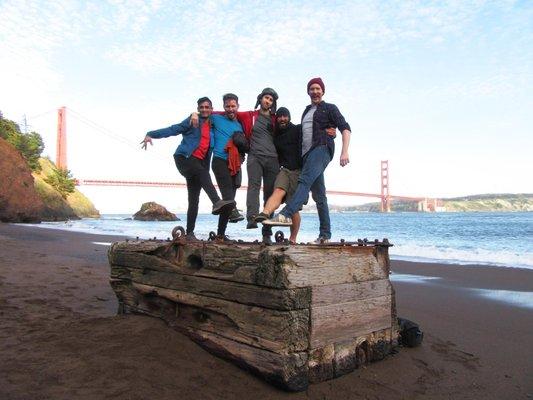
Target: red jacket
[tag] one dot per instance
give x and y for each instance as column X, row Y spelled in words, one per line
column 247, row 120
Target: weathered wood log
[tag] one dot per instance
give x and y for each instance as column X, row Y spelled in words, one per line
column 291, row 314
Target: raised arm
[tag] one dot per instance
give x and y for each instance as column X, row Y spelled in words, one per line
column 173, row 130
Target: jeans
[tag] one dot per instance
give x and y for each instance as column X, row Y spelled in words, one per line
column 312, row 179
column 228, row 186
column 265, row 168
column 196, row 174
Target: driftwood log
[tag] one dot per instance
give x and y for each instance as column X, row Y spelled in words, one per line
column 291, row 314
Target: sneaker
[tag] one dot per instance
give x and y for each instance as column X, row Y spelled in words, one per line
column 261, row 217
column 223, row 238
column 278, row 220
column 190, row 237
column 251, row 224
column 321, row 240
column 235, row 216
column 267, row 239
column 222, row 205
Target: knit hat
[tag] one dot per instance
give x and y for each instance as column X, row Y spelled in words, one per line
column 283, row 111
column 317, row 81
column 271, row 92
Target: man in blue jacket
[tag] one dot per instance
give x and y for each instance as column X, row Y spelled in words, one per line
column 317, row 151
column 192, row 160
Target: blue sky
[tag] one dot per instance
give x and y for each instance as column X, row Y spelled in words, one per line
column 441, row 89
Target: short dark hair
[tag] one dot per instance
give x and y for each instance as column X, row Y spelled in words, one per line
column 203, row 100
column 230, row 96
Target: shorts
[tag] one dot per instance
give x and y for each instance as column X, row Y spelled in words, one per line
column 287, row 180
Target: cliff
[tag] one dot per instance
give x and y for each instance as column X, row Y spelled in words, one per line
column 26, row 197
column 19, row 202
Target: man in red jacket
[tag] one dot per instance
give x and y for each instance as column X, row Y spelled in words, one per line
column 262, row 165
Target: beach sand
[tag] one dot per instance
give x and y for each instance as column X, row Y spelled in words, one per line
column 60, row 337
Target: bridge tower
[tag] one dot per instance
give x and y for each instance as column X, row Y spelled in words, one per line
column 61, row 145
column 385, row 196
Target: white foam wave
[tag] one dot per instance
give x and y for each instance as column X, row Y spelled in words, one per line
column 429, row 253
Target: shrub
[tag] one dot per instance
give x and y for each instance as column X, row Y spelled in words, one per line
column 62, row 181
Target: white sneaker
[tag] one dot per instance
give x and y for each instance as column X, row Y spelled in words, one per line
column 278, row 220
column 321, row 240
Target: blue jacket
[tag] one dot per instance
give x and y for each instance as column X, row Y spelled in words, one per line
column 191, row 136
column 327, row 115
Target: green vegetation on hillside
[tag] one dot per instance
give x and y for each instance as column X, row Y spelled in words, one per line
column 474, row 203
column 74, row 204
column 62, row 181
column 29, row 144
column 491, row 202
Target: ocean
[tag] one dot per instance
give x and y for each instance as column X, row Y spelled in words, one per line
column 500, row 239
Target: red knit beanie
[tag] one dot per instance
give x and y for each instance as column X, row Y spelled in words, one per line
column 318, row 81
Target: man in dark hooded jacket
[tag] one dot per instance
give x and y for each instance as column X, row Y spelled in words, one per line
column 288, row 143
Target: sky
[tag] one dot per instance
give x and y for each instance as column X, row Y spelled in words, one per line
column 440, row 89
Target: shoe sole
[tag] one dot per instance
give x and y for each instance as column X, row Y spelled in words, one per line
column 225, row 207
column 233, row 221
column 260, row 219
column 276, row 223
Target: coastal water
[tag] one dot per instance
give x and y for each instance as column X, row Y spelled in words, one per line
column 501, row 239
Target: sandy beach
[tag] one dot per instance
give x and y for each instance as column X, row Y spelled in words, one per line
column 60, row 337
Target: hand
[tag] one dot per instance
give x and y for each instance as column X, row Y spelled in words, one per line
column 345, row 159
column 195, row 120
column 144, row 143
column 332, row 132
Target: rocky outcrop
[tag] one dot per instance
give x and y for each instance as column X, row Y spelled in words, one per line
column 152, row 211
column 19, row 201
column 26, row 197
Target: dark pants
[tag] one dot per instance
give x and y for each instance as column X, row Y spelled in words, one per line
column 260, row 168
column 228, row 186
column 196, row 174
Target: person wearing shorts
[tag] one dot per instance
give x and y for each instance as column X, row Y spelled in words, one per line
column 288, row 142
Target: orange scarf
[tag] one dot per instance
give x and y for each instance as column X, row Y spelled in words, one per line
column 234, row 158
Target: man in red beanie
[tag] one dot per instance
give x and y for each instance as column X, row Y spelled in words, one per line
column 318, row 148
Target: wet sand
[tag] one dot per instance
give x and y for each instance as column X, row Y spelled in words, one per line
column 60, row 337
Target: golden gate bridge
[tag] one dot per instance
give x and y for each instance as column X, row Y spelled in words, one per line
column 424, row 203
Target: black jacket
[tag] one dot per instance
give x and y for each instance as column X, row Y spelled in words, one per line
column 288, row 144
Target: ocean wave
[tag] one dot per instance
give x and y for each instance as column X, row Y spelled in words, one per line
column 428, row 253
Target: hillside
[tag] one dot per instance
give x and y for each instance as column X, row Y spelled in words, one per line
column 491, row 202
column 475, row 203
column 75, row 206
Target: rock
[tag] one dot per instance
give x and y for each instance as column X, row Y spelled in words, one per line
column 19, row 201
column 152, row 211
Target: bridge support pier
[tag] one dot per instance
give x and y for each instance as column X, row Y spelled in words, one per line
column 385, row 196
column 61, row 145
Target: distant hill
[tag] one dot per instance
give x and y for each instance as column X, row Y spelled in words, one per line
column 474, row 203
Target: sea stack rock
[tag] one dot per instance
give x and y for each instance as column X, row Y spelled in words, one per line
column 152, row 211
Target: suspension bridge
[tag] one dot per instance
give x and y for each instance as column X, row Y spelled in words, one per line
column 385, row 197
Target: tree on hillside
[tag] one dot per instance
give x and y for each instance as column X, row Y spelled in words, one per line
column 29, row 144
column 62, row 181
